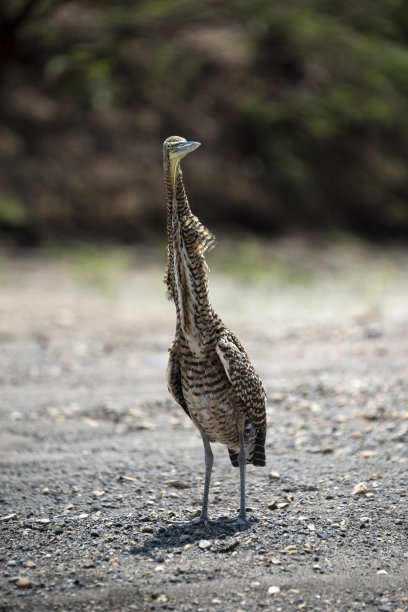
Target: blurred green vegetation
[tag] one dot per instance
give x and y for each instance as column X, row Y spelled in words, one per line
column 307, row 98
column 97, row 267
column 12, row 212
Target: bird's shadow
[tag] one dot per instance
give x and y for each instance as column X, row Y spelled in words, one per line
column 178, row 534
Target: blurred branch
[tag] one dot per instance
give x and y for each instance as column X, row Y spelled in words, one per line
column 10, row 25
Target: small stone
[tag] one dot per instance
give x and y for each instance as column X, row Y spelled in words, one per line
column 255, row 583
column 88, row 563
column 162, row 598
column 382, row 571
column 360, row 489
column 273, row 505
column 274, row 475
column 373, row 331
column 24, row 583
column 216, row 601
column 366, row 454
column 275, row 561
column 204, row 544
column 9, row 517
column 98, row 493
column 273, row 590
column 11, row 563
column 43, row 521
column 30, row 564
column 45, row 491
column 179, row 484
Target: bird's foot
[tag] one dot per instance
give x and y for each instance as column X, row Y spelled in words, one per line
column 201, row 521
column 240, row 522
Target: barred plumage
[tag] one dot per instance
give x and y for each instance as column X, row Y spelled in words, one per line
column 209, row 373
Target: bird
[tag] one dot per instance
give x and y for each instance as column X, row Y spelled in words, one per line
column 209, row 374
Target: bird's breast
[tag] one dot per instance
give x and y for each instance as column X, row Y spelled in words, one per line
column 207, row 392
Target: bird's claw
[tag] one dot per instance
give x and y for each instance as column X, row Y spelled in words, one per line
column 240, row 521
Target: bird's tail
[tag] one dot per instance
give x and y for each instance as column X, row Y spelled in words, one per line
column 255, row 451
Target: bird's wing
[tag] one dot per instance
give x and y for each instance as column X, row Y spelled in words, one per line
column 246, row 384
column 174, row 379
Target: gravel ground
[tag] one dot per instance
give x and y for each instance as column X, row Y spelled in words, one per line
column 101, row 471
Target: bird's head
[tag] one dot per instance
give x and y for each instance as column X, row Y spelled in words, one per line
column 174, row 149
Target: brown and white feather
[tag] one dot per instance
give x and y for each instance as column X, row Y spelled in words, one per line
column 209, row 372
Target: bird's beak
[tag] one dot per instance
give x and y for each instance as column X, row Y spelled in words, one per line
column 177, row 153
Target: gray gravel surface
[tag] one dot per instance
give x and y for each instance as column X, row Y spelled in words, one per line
column 101, row 472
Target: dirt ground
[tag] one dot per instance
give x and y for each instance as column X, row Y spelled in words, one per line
column 101, row 471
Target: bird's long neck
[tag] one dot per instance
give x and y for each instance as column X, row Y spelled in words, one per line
column 186, row 277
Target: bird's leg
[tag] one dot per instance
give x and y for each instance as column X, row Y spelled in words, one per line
column 242, row 473
column 241, row 521
column 209, row 459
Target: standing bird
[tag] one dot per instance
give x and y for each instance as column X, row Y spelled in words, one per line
column 209, row 373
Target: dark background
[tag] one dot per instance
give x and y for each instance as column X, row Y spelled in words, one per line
column 301, row 106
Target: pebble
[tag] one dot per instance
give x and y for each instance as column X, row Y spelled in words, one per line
column 162, row 598
column 24, row 583
column 360, row 489
column 373, row 331
column 46, row 491
column 30, row 564
column 179, row 484
column 204, row 544
column 274, row 475
column 9, row 517
column 273, row 590
column 366, row 454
